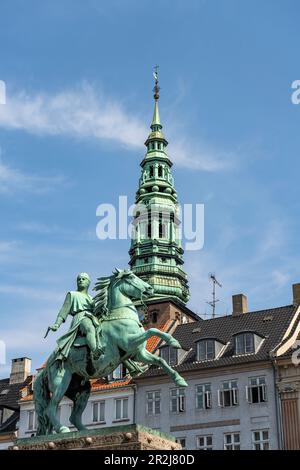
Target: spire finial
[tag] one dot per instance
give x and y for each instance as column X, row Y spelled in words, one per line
column 156, row 87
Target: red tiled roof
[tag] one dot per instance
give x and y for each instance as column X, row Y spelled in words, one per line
column 154, row 340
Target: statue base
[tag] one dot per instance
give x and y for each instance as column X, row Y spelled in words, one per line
column 128, row 437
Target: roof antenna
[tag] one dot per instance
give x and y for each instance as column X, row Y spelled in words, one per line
column 215, row 282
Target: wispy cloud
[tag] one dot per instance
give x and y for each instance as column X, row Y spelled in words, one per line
column 84, row 113
column 12, row 179
column 81, row 113
column 194, row 155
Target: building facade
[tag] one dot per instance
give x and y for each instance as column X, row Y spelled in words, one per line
column 9, row 399
column 232, row 400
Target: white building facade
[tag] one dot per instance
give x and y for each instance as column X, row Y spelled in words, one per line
column 106, row 407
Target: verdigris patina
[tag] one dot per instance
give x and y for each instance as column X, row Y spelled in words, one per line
column 80, row 305
column 90, row 349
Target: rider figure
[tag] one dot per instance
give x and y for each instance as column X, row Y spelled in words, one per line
column 80, row 305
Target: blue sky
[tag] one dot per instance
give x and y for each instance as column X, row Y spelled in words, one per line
column 79, row 104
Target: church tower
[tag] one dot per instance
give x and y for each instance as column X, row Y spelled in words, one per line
column 156, row 254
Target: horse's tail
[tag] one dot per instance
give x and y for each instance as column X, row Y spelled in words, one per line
column 41, row 395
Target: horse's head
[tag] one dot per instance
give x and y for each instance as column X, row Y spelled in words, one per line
column 131, row 285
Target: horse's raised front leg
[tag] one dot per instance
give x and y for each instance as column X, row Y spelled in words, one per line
column 148, row 358
column 59, row 380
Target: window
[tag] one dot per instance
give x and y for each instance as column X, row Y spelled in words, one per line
column 154, row 315
column 118, row 374
column 228, row 395
column 182, row 441
column 161, row 227
column 203, row 396
column 256, row 391
column 204, row 443
column 260, row 440
column 160, row 171
column 71, row 406
column 170, row 355
column 98, row 411
column 244, row 343
column 177, row 403
column 206, row 350
column 151, row 171
column 232, row 441
column 153, row 403
column 121, row 408
column 31, row 420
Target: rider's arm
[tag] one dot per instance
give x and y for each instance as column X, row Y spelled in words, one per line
column 64, row 311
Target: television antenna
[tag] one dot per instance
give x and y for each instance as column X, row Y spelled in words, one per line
column 214, row 301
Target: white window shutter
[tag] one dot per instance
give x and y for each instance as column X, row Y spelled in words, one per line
column 208, row 399
column 220, row 398
column 264, row 392
column 181, row 403
column 235, row 396
column 248, row 390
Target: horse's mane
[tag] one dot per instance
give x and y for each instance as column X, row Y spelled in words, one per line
column 101, row 299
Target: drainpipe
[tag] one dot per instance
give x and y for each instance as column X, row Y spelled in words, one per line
column 134, row 405
column 278, row 402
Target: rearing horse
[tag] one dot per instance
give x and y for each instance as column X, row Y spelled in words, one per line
column 123, row 338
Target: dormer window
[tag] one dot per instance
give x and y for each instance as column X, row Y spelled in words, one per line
column 244, row 343
column 208, row 349
column 169, row 354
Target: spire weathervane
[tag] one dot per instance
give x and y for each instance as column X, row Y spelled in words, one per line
column 156, row 87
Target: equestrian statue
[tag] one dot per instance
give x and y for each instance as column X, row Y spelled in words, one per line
column 105, row 332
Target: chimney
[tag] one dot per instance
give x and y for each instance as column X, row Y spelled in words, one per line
column 20, row 369
column 239, row 304
column 296, row 294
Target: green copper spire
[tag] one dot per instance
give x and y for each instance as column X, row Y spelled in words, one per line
column 156, row 254
column 156, row 117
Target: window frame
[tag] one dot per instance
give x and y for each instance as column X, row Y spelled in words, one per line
column 240, row 349
column 178, row 439
column 261, row 442
column 153, row 402
column 122, row 418
column 180, row 400
column 205, row 342
column 206, row 396
column 261, row 393
column 98, row 403
column 233, row 394
column 33, row 414
column 166, row 354
column 205, row 446
column 233, row 443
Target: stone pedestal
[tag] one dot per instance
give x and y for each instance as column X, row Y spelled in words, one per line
column 130, row 437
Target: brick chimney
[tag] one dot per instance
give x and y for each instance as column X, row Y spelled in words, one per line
column 296, row 294
column 239, row 304
column 20, row 369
